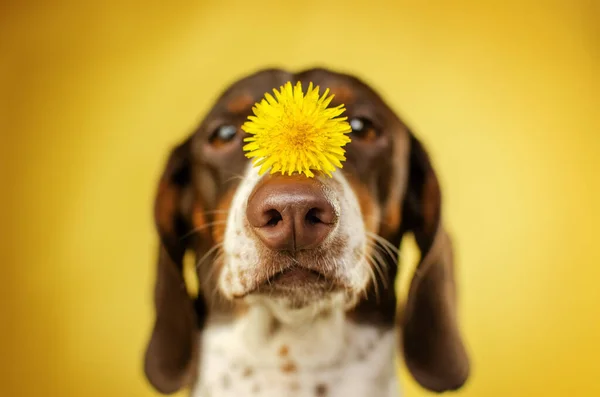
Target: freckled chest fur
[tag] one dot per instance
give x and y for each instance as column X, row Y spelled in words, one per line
column 329, row 355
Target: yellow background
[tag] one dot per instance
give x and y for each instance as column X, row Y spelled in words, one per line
column 94, row 95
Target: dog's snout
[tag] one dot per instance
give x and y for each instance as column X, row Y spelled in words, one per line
column 290, row 213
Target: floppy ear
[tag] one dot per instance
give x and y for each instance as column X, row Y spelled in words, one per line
column 433, row 347
column 171, row 352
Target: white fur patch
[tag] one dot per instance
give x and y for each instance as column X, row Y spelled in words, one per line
column 329, row 356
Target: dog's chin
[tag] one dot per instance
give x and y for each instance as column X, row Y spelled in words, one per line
column 295, row 306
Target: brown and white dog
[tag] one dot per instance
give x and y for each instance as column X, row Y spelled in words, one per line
column 296, row 274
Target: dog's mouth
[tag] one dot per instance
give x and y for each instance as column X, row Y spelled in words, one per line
column 297, row 276
column 306, row 274
column 298, row 285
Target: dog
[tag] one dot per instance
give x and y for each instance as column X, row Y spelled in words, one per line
column 296, row 275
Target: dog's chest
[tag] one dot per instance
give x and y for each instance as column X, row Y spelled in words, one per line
column 333, row 358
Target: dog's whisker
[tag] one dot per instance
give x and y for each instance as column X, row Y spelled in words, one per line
column 200, row 228
column 209, row 252
column 380, row 265
column 214, row 294
column 384, row 257
column 394, row 251
column 372, row 276
column 234, row 176
column 216, row 264
column 383, row 253
column 237, row 174
column 383, row 241
column 388, row 256
column 208, row 279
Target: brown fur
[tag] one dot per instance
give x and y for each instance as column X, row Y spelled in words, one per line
column 240, row 103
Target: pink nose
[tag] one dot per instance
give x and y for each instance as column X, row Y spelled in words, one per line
column 290, row 213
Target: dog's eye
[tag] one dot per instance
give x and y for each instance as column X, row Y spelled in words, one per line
column 223, row 134
column 363, row 129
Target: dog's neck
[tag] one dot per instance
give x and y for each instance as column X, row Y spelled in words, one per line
column 313, row 352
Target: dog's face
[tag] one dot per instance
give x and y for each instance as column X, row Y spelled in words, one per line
column 293, row 241
column 302, row 244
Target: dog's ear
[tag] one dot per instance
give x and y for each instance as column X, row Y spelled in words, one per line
column 170, row 354
column 433, row 348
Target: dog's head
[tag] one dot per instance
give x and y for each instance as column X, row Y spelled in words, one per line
column 303, row 245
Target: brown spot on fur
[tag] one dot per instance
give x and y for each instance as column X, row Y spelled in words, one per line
column 247, row 372
column 284, row 351
column 240, row 103
column 274, row 326
column 321, row 390
column 199, row 219
column 289, row 367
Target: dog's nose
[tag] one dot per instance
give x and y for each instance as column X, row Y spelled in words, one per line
column 290, row 213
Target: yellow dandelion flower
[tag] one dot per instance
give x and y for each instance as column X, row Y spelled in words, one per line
column 293, row 132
